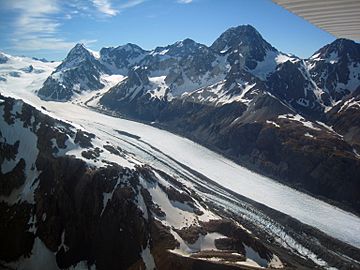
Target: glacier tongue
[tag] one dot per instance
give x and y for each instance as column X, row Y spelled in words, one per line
column 311, row 211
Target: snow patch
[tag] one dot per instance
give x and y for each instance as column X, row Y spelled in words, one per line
column 148, row 258
column 158, row 88
column 205, row 242
column 271, row 60
column 254, row 256
column 273, row 123
column 41, row 258
column 299, row 118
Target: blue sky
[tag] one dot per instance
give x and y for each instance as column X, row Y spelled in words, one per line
column 49, row 28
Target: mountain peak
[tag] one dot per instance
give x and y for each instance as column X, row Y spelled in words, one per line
column 343, row 42
column 77, row 55
column 130, row 47
column 185, row 42
column 340, row 48
column 244, row 36
column 79, row 46
column 77, row 51
column 180, row 48
column 243, row 29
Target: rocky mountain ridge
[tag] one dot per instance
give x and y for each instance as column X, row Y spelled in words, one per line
column 187, row 66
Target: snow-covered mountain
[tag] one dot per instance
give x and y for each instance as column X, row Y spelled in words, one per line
column 80, row 71
column 121, row 58
column 172, row 70
column 263, row 110
column 82, row 188
column 335, row 69
column 239, row 87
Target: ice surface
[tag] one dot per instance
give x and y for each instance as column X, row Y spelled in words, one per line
column 275, row 263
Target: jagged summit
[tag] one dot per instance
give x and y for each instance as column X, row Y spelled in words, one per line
column 181, row 48
column 76, row 55
column 130, row 47
column 120, row 59
column 79, row 71
column 240, row 36
column 243, row 45
column 79, row 45
column 186, row 66
column 188, row 42
column 335, row 68
column 78, row 49
column 340, row 48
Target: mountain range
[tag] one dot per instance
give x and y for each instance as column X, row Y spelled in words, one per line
column 265, row 109
column 97, row 170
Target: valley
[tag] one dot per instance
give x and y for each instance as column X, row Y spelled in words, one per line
column 66, row 131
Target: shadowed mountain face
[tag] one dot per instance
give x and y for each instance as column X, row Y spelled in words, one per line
column 241, row 97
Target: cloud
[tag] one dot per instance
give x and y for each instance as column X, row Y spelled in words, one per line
column 131, row 3
column 47, row 43
column 184, row 1
column 104, row 6
column 37, row 24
